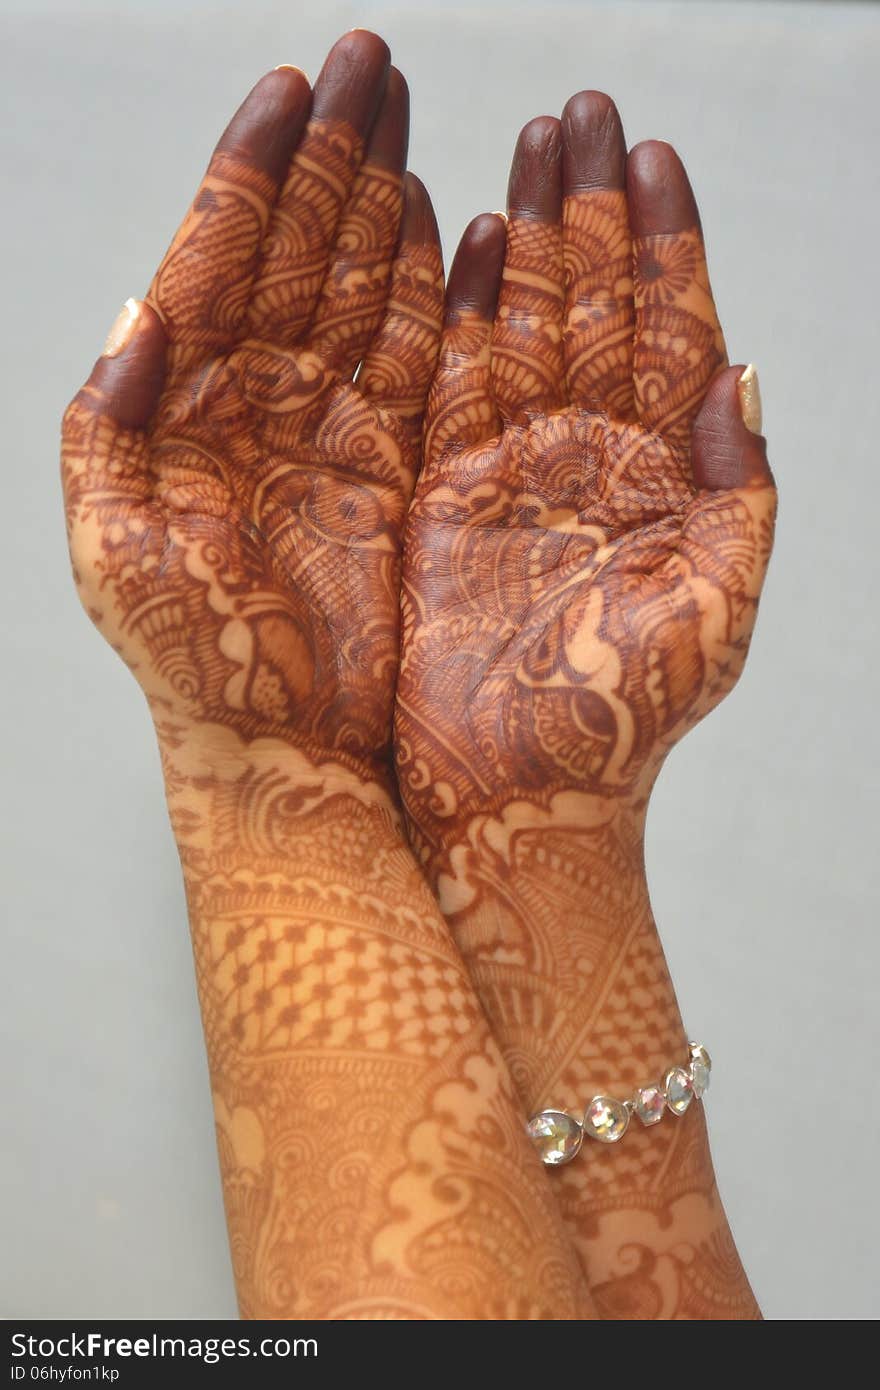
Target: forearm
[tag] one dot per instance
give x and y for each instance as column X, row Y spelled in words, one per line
column 551, row 913
column 372, row 1153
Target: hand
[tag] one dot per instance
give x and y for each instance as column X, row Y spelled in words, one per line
column 590, row 531
column 582, row 567
column 234, row 499
column 235, row 503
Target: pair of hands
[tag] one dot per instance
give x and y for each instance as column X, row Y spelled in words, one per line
column 293, row 441
column 584, row 551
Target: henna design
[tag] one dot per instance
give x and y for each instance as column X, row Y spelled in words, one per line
column 397, row 368
column 576, row 595
column 217, row 567
column 679, row 346
column 236, row 536
column 685, row 1281
column 527, row 336
column 202, row 287
column 599, row 301
column 373, row 1160
column 296, row 248
column 231, row 553
column 353, row 299
column 469, row 414
column 567, row 579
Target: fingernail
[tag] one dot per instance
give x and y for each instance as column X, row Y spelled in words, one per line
column 502, row 215
column 750, row 398
column 292, row 67
column 121, row 333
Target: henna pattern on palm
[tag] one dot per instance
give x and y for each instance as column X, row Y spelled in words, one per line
column 236, row 483
column 583, row 562
column 243, row 553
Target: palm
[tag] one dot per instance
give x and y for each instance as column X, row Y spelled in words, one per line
column 236, row 574
column 561, row 611
column 573, row 600
column 240, row 543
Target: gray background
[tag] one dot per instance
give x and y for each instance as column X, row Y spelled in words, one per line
column 762, row 849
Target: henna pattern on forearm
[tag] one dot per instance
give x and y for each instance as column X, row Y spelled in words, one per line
column 572, row 605
column 373, row 1159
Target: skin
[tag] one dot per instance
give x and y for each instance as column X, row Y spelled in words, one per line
column 235, row 505
column 583, row 560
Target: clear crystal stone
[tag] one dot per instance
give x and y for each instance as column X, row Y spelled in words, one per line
column 556, row 1135
column 606, row 1119
column 679, row 1090
column 649, row 1104
column 699, row 1077
column 699, row 1054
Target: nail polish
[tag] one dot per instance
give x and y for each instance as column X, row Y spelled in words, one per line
column 750, row 399
column 121, row 333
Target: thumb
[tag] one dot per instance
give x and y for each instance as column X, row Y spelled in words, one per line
column 127, row 379
column 727, row 447
column 727, row 535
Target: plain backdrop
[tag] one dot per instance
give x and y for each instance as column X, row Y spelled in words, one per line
column 763, row 834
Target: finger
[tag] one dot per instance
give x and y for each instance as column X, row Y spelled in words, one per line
column 718, row 568
column 304, row 222
column 678, row 344
column 353, row 298
column 103, row 439
column 400, row 363
column 728, row 449
column 127, row 379
column 202, row 287
column 527, row 366
column 599, row 322
column 461, row 408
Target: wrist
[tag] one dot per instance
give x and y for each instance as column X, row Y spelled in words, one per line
column 260, row 796
column 550, row 909
column 578, row 835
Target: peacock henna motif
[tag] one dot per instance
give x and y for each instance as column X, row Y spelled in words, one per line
column 237, row 473
column 583, row 563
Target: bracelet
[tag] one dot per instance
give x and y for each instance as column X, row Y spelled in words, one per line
column 558, row 1136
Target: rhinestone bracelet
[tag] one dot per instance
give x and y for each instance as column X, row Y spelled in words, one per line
column 558, row 1136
